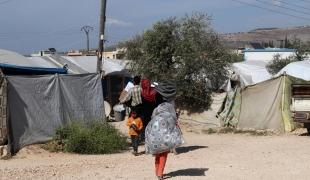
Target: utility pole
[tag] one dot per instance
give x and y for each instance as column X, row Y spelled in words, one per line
column 86, row 29
column 101, row 35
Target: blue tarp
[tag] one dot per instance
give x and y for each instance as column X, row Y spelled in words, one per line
column 9, row 69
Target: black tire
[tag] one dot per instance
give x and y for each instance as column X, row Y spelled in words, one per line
column 308, row 130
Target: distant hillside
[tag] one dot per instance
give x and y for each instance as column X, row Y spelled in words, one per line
column 269, row 34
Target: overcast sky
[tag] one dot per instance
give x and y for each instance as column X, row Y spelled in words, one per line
column 27, row 26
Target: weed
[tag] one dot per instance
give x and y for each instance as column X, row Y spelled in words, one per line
column 95, row 138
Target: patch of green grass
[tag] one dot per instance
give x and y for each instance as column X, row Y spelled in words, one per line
column 95, row 138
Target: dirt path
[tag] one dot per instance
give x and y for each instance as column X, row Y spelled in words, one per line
column 216, row 156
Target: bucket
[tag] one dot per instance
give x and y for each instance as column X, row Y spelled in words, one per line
column 119, row 112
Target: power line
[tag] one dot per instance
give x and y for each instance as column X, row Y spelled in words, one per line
column 283, row 7
column 294, row 5
column 271, row 10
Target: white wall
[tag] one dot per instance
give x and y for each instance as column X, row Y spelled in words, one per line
column 265, row 56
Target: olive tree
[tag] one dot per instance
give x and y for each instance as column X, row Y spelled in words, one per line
column 186, row 51
column 302, row 50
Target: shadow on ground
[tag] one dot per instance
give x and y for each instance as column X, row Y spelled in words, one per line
column 187, row 172
column 304, row 134
column 186, row 149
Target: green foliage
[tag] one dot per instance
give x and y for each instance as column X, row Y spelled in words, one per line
column 278, row 63
column 134, row 50
column 302, row 48
column 186, row 51
column 236, row 58
column 302, row 51
column 96, row 138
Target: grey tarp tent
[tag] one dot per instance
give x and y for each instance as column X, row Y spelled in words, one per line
column 40, row 104
column 3, row 110
column 116, row 72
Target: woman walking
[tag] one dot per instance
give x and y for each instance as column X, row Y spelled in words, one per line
column 162, row 133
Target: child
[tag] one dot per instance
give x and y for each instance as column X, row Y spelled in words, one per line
column 135, row 126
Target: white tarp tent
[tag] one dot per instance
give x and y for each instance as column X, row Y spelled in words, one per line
column 10, row 57
column 251, row 72
column 300, row 69
column 80, row 64
column 89, row 64
column 12, row 63
column 13, row 58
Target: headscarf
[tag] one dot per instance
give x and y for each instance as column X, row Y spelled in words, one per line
column 148, row 93
column 167, row 90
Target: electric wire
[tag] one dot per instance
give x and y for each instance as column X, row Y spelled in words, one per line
column 294, row 5
column 283, row 7
column 271, row 10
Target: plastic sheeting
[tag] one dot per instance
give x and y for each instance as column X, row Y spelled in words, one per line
column 261, row 106
column 8, row 69
column 300, row 69
column 230, row 115
column 251, row 72
column 40, row 104
column 89, row 64
column 13, row 63
column 13, row 58
column 162, row 132
column 3, row 110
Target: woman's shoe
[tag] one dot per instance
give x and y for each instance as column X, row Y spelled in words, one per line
column 160, row 177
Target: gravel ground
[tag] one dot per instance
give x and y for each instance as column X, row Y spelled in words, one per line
column 215, row 156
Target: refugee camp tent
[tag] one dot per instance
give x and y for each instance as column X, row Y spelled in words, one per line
column 251, row 72
column 32, row 107
column 12, row 63
column 3, row 110
column 116, row 74
column 299, row 69
column 263, row 106
column 40, row 104
column 89, row 64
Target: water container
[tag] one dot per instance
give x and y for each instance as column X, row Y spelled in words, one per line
column 119, row 112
